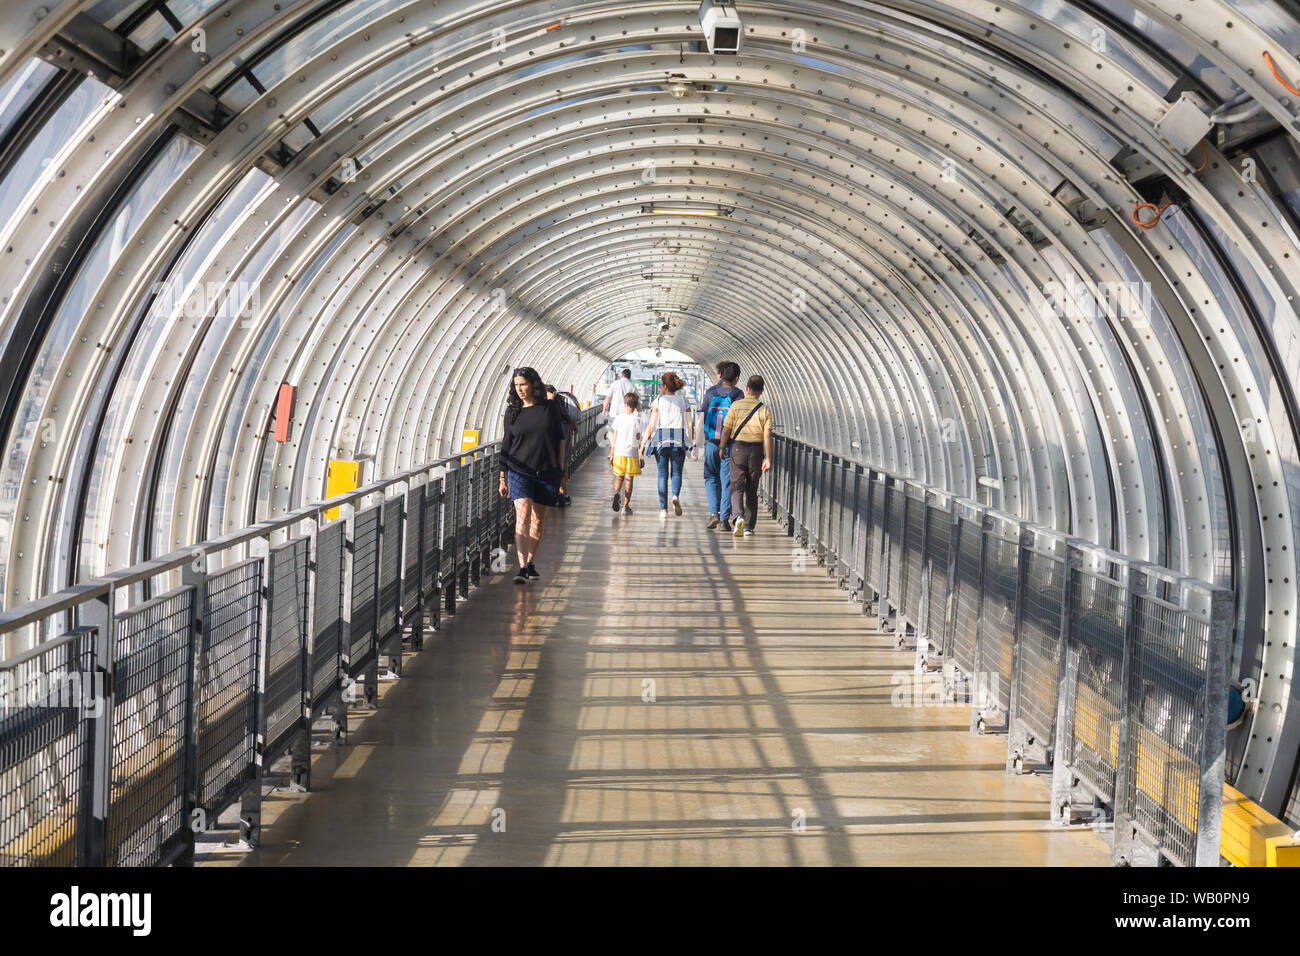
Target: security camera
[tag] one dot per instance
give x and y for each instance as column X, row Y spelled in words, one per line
column 663, row 326
column 721, row 25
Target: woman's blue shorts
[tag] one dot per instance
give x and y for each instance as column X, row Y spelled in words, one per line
column 543, row 489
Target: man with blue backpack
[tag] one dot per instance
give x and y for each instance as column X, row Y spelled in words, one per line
column 717, row 469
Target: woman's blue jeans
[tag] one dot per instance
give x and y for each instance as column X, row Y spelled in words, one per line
column 671, row 460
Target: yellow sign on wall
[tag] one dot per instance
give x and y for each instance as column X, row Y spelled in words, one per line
column 341, row 477
column 468, row 439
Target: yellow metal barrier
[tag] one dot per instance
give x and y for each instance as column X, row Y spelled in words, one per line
column 1252, row 836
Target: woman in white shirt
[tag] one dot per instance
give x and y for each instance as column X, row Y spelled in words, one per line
column 670, row 432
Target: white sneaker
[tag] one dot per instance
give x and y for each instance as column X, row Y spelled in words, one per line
column 677, row 506
column 663, row 514
column 738, row 529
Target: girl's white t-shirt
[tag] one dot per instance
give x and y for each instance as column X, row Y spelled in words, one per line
column 627, row 431
column 672, row 411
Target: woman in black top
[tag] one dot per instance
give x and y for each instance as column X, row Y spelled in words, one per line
column 532, row 463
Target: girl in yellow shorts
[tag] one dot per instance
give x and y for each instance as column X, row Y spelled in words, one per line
column 625, row 450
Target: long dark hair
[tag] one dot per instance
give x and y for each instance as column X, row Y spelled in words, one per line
column 513, row 402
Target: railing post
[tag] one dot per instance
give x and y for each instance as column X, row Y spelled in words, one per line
column 96, row 784
column 194, row 575
column 1016, row 737
column 250, row 801
column 1125, row 850
column 886, row 555
column 980, row 684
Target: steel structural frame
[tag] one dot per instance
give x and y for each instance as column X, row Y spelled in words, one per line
column 1263, row 247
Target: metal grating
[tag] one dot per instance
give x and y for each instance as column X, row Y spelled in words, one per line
column 328, row 612
column 1167, row 710
column 996, row 641
column 897, row 507
column 875, row 533
column 365, row 586
column 450, row 524
column 913, row 559
column 961, row 643
column 936, row 554
column 151, row 684
column 45, row 751
column 846, row 547
column 227, row 730
column 432, row 536
column 413, row 544
column 1038, row 655
column 286, row 641
column 1096, row 629
column 390, row 569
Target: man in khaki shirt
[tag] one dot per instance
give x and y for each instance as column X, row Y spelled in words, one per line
column 747, row 431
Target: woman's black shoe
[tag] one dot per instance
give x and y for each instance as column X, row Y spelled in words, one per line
column 521, row 576
column 531, row 572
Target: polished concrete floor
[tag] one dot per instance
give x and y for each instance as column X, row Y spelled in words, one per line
column 664, row 696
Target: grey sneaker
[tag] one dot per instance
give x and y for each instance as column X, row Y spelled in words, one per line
column 748, row 532
column 617, row 496
column 677, row 506
column 713, row 522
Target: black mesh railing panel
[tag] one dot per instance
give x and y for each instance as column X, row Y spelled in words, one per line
column 849, row 552
column 228, row 683
column 365, row 586
column 328, row 612
column 998, row 615
column 1097, row 630
column 414, row 543
column 153, row 650
column 432, row 536
column 967, row 596
column 44, row 750
column 913, row 559
column 1166, row 706
column 286, row 641
column 390, row 570
column 936, row 553
column 1037, row 669
column 897, row 518
column 875, row 533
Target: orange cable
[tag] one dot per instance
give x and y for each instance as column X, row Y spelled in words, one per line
column 1278, row 76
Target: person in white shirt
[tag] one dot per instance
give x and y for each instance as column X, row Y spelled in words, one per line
column 672, row 429
column 620, row 387
column 625, row 456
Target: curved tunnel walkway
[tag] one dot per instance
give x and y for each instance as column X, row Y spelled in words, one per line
column 521, row 735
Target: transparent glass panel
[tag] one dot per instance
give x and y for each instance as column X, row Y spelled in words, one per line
column 23, row 87
column 180, row 298
column 1164, row 39
column 154, row 29
column 58, row 136
column 187, row 11
column 77, row 306
column 315, row 38
column 111, row 13
column 239, row 314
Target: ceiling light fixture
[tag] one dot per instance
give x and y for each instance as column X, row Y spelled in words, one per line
column 671, row 209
